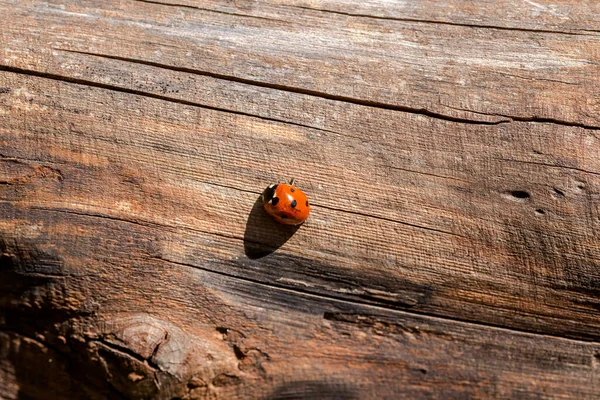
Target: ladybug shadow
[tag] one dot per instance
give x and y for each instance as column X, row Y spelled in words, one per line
column 263, row 234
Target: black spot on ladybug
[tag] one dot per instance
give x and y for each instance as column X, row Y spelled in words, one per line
column 294, row 202
column 306, row 203
column 292, row 190
column 275, row 201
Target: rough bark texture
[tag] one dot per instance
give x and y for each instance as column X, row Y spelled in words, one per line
column 450, row 151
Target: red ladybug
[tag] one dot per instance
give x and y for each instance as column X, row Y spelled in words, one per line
column 286, row 203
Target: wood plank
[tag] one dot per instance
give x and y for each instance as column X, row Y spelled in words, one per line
column 450, row 154
column 437, row 69
column 436, row 246
column 540, row 16
column 264, row 341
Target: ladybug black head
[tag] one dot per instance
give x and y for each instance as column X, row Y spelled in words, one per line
column 269, row 193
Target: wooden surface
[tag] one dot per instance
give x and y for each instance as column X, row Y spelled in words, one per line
column 450, row 151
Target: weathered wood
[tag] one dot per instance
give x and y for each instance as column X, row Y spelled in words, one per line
column 450, row 155
column 460, row 72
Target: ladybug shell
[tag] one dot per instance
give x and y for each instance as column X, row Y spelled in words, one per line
column 286, row 203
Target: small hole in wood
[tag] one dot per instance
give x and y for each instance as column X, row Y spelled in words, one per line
column 520, row 194
column 222, row 330
column 540, row 211
column 239, row 354
column 558, row 192
column 7, row 263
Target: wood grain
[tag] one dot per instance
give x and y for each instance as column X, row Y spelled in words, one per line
column 450, row 155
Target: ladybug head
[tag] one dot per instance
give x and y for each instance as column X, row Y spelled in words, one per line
column 269, row 193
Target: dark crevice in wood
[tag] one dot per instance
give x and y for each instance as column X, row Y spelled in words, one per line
column 157, row 347
column 239, row 354
column 291, row 89
column 553, row 121
column 369, row 321
column 437, row 22
column 379, row 306
column 78, row 81
column 506, row 119
column 519, row 194
column 222, row 330
column 366, row 103
column 125, row 352
column 512, row 118
column 211, row 10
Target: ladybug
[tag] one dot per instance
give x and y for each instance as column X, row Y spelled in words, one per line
column 286, row 203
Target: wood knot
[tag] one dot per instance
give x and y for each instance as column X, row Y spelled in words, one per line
column 142, row 355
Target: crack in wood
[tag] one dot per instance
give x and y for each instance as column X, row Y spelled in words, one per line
column 115, row 88
column 127, row 352
column 156, row 348
column 541, row 120
column 378, row 306
column 537, row 79
column 437, row 22
column 252, row 82
column 323, row 95
column 212, row 10
column 378, row 323
column 20, row 171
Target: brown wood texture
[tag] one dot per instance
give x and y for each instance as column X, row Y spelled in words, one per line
column 449, row 149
